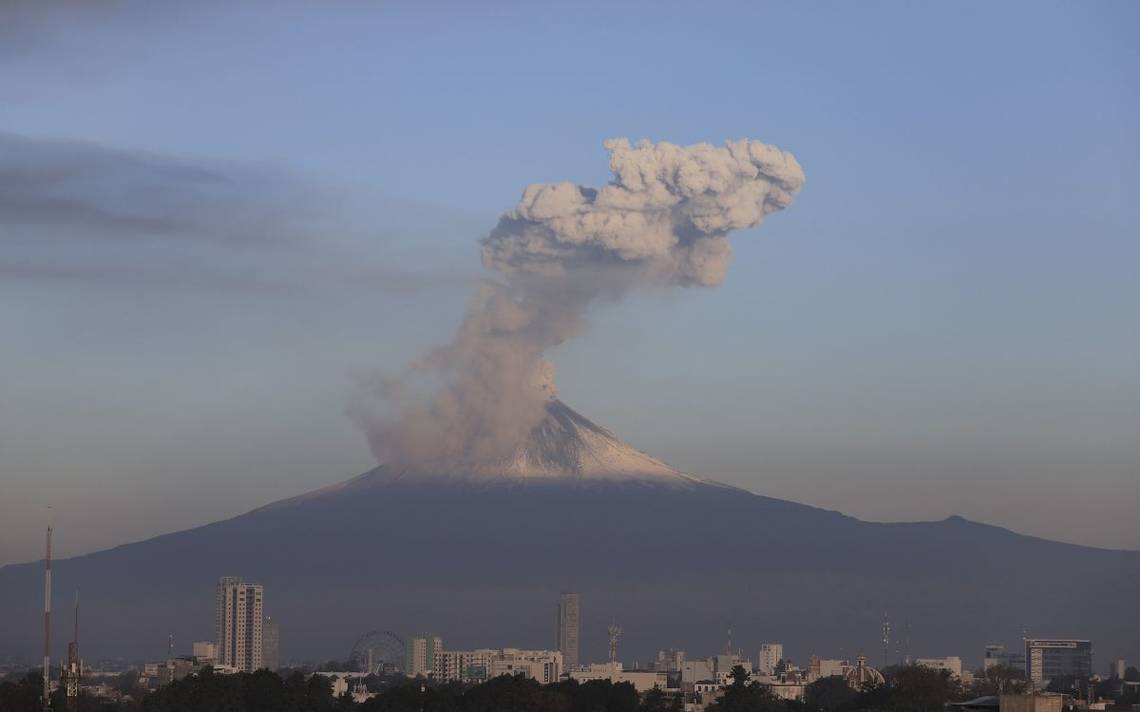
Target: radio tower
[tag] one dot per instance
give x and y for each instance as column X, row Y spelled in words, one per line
column 73, row 670
column 47, row 624
column 886, row 638
column 614, row 632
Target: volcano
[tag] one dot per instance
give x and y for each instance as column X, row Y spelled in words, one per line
column 478, row 552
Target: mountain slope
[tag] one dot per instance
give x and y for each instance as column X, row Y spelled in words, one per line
column 480, row 559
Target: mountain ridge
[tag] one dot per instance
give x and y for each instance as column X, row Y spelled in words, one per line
column 671, row 557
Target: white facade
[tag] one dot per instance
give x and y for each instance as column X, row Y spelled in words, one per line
column 238, row 620
column 205, row 652
column 542, row 665
column 694, row 671
column 642, row 680
column 952, row 663
column 770, row 655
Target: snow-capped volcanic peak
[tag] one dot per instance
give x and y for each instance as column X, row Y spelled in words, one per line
column 566, row 444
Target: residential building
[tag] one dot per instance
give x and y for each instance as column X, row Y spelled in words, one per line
column 485, row 663
column 239, row 618
column 770, row 655
column 827, row 667
column 569, row 613
column 1047, row 658
column 205, row 652
column 544, row 666
column 419, row 654
column 463, row 665
column 270, row 644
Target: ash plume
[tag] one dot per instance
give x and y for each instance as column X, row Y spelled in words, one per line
column 662, row 221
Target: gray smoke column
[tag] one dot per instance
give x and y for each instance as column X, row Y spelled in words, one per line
column 663, row 220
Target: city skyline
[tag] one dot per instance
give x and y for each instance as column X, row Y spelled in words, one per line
column 901, row 364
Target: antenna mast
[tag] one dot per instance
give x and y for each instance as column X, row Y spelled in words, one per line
column 614, row 632
column 73, row 670
column 886, row 638
column 47, row 623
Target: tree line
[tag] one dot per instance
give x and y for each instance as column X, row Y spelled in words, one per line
column 907, row 689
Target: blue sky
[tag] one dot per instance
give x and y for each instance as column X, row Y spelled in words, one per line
column 943, row 322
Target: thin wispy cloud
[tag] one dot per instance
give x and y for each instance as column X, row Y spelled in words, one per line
column 107, row 217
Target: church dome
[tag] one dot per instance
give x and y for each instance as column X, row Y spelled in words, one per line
column 863, row 675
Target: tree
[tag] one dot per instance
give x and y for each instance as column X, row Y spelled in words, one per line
column 22, row 695
column 739, row 675
column 741, row 697
column 829, row 694
column 910, row 688
column 999, row 679
column 657, row 701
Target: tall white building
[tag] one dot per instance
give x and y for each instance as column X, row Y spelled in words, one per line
column 420, row 652
column 568, row 623
column 770, row 655
column 238, row 622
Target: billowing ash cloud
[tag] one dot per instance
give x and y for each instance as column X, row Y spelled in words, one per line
column 663, row 220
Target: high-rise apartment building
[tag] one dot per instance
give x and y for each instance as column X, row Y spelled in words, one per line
column 568, row 623
column 270, row 644
column 238, row 620
column 770, row 655
column 1048, row 658
column 419, row 654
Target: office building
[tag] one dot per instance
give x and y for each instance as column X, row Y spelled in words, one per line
column 770, row 655
column 419, row 654
column 952, row 664
column 270, row 644
column 998, row 655
column 239, row 617
column 1047, row 658
column 568, row 623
